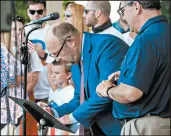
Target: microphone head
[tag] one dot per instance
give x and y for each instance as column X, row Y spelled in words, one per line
column 54, row 16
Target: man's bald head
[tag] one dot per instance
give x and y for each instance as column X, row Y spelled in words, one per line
column 63, row 41
column 104, row 6
column 61, row 31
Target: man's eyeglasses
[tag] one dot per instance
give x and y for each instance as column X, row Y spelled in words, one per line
column 68, row 14
column 87, row 10
column 56, row 56
column 122, row 9
column 39, row 12
column 19, row 19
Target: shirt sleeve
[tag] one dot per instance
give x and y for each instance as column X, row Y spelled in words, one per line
column 55, row 113
column 73, row 120
column 36, row 64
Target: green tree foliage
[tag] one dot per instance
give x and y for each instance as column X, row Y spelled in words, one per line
column 65, row 2
column 21, row 9
column 166, row 9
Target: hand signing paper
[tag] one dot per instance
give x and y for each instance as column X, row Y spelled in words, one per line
column 65, row 120
column 45, row 107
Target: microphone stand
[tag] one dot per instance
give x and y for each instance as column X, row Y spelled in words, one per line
column 24, row 60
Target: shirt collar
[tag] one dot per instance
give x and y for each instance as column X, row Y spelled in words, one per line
column 151, row 21
column 102, row 27
column 82, row 47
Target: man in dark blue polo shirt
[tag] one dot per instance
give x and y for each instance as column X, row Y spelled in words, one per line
column 142, row 96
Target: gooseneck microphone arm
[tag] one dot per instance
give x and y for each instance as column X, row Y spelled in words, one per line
column 24, row 57
column 24, row 60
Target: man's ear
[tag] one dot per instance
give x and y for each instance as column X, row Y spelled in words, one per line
column 137, row 7
column 69, row 75
column 28, row 11
column 98, row 13
column 71, row 42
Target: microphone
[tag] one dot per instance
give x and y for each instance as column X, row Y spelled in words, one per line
column 52, row 16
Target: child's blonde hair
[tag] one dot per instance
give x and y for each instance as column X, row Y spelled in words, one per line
column 65, row 65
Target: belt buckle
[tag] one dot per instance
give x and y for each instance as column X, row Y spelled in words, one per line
column 148, row 115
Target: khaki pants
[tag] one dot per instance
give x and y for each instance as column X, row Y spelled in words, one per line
column 152, row 125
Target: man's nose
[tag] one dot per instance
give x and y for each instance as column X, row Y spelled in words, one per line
column 123, row 17
column 36, row 14
column 65, row 18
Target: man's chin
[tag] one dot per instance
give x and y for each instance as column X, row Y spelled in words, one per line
column 86, row 23
column 89, row 25
column 73, row 63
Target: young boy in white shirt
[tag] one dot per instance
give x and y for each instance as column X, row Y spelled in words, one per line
column 61, row 75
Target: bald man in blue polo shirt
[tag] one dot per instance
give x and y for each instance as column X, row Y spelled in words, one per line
column 142, row 95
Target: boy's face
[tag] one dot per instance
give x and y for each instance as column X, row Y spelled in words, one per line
column 59, row 75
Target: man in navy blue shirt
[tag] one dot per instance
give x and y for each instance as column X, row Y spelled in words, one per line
column 142, row 95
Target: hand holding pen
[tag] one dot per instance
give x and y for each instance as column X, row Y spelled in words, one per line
column 46, row 107
column 114, row 77
column 103, row 88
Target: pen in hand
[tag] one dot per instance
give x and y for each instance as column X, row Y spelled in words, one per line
column 114, row 80
column 50, row 103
